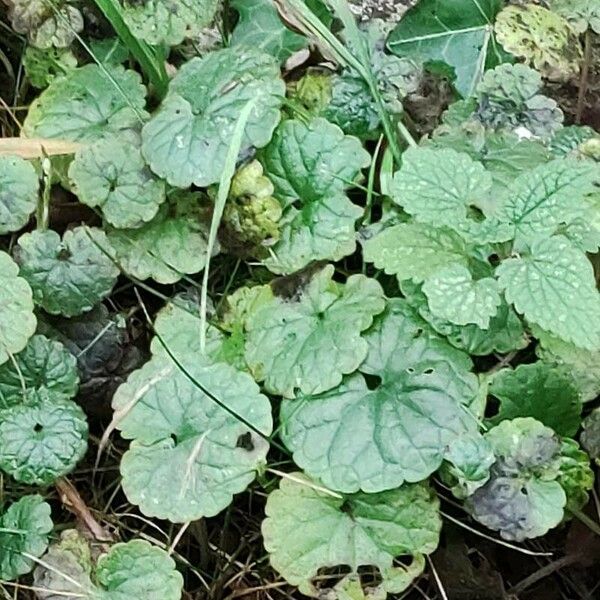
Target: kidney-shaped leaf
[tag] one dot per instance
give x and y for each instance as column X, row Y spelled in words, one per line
column 316, row 333
column 18, row 193
column 68, row 276
column 373, row 434
column 307, row 529
column 188, row 138
column 191, row 451
column 24, row 529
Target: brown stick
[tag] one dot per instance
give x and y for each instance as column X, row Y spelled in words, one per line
column 585, row 73
column 71, row 499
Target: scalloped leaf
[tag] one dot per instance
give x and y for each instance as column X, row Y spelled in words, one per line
column 17, row 321
column 454, row 295
column 539, row 390
column 523, row 498
column 189, row 454
column 375, row 433
column 554, row 287
column 307, row 529
column 168, row 21
column 19, row 187
column 42, row 67
column 170, row 246
column 187, row 139
column 590, row 436
column 311, row 165
column 580, row 14
column 320, row 324
column 112, row 175
column 68, row 276
column 86, row 104
column 24, row 529
column 42, row 438
column 44, row 365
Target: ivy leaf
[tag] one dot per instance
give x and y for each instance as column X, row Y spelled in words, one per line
column 374, row 434
column 42, row 67
column 24, row 529
column 42, row 438
column 86, row 104
column 540, row 200
column 187, row 140
column 414, row 251
column 44, row 365
column 505, row 332
column 467, row 464
column 168, row 21
column 190, row 454
column 112, row 175
column 581, row 14
column 523, row 498
column 440, row 186
column 543, row 38
column 320, row 324
column 583, row 365
column 554, row 287
column 548, row 394
column 259, row 26
column 46, row 25
column 68, row 276
column 590, row 436
column 457, row 33
column 168, row 247
column 453, row 295
column 307, row 529
column 576, row 476
column 17, row 321
column 19, row 188
column 311, row 165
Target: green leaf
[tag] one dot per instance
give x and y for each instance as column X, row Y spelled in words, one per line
column 42, row 438
column 259, row 26
column 373, row 434
column 540, row 200
column 168, row 21
column 307, row 529
column 46, row 25
column 135, row 569
column 68, row 276
column 19, row 188
column 505, row 332
column 320, row 324
column 539, row 390
column 523, row 498
column 467, row 464
column 590, row 436
column 190, row 454
column 187, row 140
column 576, row 476
column 168, row 247
column 581, row 14
column 583, row 365
column 311, row 165
column 17, row 321
column 454, row 295
column 509, row 98
column 554, row 287
column 543, row 38
column 43, row 365
column 414, row 251
column 440, row 187
column 24, row 529
column 112, row 175
column 86, row 104
column 42, row 67
column 457, row 33
column 138, row 569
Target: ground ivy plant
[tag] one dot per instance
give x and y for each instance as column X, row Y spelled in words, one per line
column 350, row 320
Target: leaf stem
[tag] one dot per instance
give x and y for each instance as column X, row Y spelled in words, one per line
column 592, row 525
column 585, row 72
